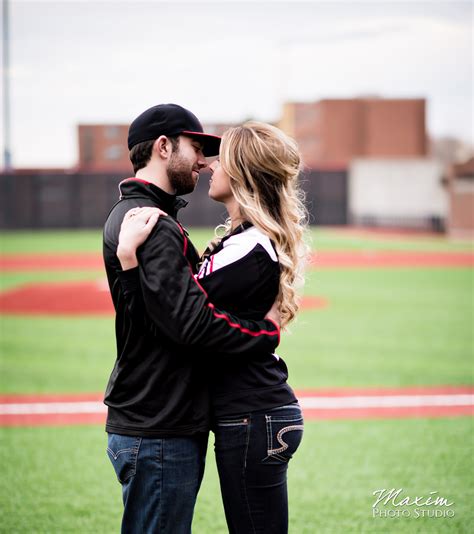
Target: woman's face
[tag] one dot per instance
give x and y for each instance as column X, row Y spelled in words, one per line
column 219, row 184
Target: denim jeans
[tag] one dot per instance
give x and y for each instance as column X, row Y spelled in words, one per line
column 160, row 480
column 252, row 455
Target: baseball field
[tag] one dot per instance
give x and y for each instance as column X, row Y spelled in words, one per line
column 381, row 355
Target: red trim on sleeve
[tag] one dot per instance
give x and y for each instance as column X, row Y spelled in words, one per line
column 277, row 326
column 221, row 315
column 244, row 330
column 212, row 264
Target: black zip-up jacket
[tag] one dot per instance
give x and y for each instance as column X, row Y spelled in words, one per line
column 158, row 387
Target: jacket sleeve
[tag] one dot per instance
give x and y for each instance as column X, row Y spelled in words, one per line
column 163, row 290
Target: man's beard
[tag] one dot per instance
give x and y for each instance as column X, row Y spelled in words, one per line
column 180, row 174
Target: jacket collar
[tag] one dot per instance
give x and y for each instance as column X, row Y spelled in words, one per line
column 241, row 228
column 138, row 188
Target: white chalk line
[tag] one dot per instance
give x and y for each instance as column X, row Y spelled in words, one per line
column 386, row 401
column 36, row 408
column 313, row 403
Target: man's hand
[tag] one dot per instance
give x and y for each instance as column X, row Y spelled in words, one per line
column 274, row 314
column 135, row 229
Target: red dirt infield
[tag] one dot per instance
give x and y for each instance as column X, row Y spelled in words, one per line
column 77, row 298
column 58, row 298
column 323, row 259
column 92, row 298
column 320, row 404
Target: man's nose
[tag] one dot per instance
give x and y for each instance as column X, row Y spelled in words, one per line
column 202, row 160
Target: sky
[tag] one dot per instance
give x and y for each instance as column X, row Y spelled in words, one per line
column 95, row 62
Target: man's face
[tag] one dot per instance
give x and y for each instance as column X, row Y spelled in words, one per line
column 184, row 165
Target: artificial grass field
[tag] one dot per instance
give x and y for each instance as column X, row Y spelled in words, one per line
column 386, row 327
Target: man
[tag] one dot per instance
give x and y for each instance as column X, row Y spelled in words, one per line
column 158, row 413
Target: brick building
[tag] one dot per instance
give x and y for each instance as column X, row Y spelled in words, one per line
column 332, row 132
column 103, row 148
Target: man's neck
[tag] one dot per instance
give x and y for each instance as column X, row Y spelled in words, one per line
column 157, row 177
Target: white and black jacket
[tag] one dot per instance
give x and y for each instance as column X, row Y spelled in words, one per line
column 242, row 275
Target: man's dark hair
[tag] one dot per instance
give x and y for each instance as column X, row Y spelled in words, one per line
column 140, row 154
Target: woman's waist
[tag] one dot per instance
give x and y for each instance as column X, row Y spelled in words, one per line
column 242, row 401
column 245, row 373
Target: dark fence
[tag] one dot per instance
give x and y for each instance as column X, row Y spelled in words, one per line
column 59, row 200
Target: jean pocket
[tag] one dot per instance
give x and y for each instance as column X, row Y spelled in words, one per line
column 232, row 421
column 123, row 453
column 284, row 433
column 231, row 433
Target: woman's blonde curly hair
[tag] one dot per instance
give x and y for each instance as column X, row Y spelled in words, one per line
column 263, row 165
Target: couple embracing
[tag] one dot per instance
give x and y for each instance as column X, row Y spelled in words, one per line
column 196, row 336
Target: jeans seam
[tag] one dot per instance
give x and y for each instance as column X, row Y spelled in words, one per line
column 243, row 476
column 269, row 432
column 136, row 451
column 160, row 481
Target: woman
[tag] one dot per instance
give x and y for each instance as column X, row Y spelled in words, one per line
column 258, row 423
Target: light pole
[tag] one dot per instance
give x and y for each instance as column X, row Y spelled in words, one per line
column 7, row 161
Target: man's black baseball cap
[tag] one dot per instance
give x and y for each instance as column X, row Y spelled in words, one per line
column 170, row 120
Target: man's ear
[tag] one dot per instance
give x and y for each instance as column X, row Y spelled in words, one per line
column 162, row 147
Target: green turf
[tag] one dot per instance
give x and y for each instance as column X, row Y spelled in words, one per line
column 59, row 479
column 25, row 241
column 321, row 238
column 384, row 327
column 56, row 355
column 328, row 239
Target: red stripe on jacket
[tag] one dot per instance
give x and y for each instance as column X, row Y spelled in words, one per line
column 221, row 315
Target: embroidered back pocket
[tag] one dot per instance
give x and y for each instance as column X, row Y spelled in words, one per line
column 284, row 433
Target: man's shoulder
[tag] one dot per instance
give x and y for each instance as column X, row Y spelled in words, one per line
column 167, row 232
column 168, row 225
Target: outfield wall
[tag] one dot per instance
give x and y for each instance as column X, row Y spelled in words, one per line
column 71, row 200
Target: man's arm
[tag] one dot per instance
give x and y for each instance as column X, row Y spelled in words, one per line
column 165, row 288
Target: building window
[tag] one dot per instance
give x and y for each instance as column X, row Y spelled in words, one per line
column 113, row 152
column 112, row 132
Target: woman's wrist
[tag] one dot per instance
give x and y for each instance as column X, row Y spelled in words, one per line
column 127, row 257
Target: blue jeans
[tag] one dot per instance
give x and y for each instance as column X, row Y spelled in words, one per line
column 160, row 481
column 252, row 455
